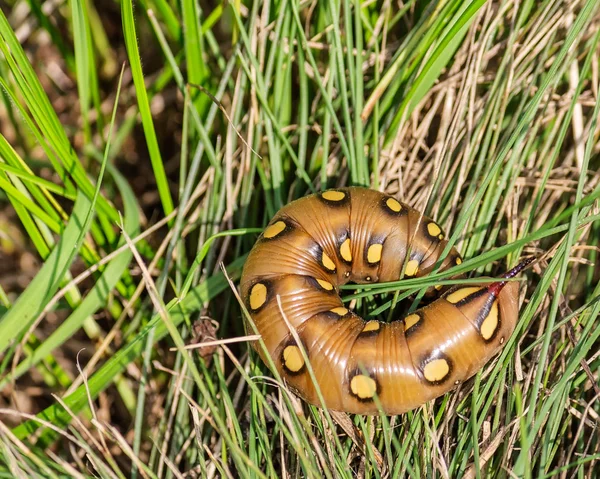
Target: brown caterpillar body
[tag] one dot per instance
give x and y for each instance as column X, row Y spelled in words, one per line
column 319, row 242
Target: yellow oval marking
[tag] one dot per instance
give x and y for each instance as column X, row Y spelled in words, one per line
column 461, row 294
column 292, row 359
column 363, row 386
column 411, row 320
column 441, row 237
column 345, row 250
column 393, row 205
column 274, row 229
column 333, row 195
column 371, row 326
column 433, row 229
column 327, row 262
column 340, row 311
column 412, row 268
column 458, row 261
column 438, row 287
column 436, row 370
column 490, row 323
column 325, row 284
column 374, row 253
column 258, row 296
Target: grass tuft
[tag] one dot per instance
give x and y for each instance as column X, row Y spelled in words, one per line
column 128, row 205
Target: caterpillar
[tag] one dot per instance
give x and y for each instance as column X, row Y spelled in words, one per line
column 319, row 242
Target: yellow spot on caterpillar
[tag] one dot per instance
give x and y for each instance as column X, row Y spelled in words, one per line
column 374, row 253
column 371, row 326
column 412, row 268
column 490, row 324
column 345, row 250
column 325, row 284
column 363, row 386
column 258, row 296
column 458, row 261
column 438, row 287
column 461, row 294
column 327, row 262
column 436, row 370
column 333, row 195
column 393, row 205
column 274, row 229
column 433, row 229
column 292, row 359
column 441, row 237
column 411, row 320
column 340, row 311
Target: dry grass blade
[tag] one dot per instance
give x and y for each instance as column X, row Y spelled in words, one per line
column 218, row 342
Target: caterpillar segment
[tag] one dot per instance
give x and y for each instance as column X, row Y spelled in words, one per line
column 319, row 242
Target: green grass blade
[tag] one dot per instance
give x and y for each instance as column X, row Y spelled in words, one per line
column 18, row 318
column 144, row 106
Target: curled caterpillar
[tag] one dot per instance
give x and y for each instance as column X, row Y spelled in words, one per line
column 319, row 242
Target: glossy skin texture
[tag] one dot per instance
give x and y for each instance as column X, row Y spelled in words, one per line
column 319, row 242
